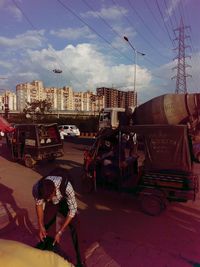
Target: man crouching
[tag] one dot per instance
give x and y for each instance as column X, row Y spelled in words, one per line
column 54, row 194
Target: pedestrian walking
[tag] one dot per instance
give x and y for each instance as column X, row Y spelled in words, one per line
column 62, row 134
column 54, row 194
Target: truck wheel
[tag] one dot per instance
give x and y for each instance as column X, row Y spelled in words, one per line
column 28, row 161
column 151, row 204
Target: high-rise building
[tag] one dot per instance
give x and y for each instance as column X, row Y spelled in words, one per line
column 117, row 98
column 29, row 92
column 8, row 99
column 61, row 98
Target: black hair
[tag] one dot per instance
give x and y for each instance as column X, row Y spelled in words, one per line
column 46, row 188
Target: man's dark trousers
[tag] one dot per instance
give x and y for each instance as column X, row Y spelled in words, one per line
column 50, row 212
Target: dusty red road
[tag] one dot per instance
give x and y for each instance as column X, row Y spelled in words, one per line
column 124, row 235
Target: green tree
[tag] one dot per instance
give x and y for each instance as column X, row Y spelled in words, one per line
column 37, row 109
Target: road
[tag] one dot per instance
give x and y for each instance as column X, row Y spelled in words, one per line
column 111, row 222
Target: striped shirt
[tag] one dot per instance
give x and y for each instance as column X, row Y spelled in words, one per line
column 70, row 195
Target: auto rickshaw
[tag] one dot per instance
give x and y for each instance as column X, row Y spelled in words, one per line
column 163, row 172
column 31, row 143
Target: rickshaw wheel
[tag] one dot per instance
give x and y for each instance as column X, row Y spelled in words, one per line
column 28, row 161
column 152, row 204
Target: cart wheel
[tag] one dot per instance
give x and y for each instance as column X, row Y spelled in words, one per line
column 152, row 205
column 28, row 161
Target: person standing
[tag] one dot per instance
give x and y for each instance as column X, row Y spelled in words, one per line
column 54, row 194
column 62, row 134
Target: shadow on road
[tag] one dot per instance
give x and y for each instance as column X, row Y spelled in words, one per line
column 14, row 219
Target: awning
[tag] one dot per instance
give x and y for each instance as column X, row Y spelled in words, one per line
column 5, row 126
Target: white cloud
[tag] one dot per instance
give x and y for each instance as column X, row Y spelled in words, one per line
column 29, row 39
column 4, row 64
column 73, row 33
column 15, row 12
column 83, row 66
column 171, row 8
column 111, row 13
column 12, row 9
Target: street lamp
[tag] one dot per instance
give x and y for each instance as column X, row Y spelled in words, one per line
column 136, row 52
column 57, row 71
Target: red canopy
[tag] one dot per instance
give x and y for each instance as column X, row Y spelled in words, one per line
column 5, row 126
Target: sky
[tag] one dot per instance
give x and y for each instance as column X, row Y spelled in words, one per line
column 85, row 40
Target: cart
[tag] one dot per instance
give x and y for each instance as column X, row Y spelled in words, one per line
column 165, row 174
column 31, row 143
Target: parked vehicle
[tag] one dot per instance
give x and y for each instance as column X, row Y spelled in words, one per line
column 166, row 173
column 31, row 143
column 71, row 130
column 109, row 117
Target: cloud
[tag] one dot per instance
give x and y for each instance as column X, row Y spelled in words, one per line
column 73, row 33
column 6, row 65
column 171, row 8
column 15, row 12
column 29, row 39
column 83, row 67
column 12, row 9
column 110, row 13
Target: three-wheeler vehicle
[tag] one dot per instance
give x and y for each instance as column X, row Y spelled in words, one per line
column 31, row 143
column 161, row 173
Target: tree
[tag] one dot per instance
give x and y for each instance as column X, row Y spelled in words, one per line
column 37, row 108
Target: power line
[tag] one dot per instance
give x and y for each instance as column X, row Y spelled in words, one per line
column 34, row 28
column 91, row 28
column 105, row 22
column 153, row 63
column 130, row 23
column 143, row 21
column 169, row 15
column 161, row 14
column 153, row 15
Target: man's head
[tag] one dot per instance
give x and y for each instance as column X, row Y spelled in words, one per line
column 47, row 189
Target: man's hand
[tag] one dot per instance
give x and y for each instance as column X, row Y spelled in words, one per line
column 42, row 233
column 57, row 238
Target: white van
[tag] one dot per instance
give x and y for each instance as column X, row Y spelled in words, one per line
column 71, row 130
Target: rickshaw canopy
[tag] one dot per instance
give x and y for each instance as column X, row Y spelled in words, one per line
column 167, row 147
column 5, row 126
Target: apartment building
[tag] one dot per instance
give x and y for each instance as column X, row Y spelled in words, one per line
column 61, row 98
column 8, row 98
column 66, row 99
column 117, row 98
column 29, row 92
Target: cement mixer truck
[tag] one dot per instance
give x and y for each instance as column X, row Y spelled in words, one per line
column 169, row 109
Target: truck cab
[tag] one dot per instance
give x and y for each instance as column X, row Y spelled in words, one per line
column 109, row 117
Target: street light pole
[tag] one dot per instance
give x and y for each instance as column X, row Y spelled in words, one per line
column 57, row 71
column 136, row 52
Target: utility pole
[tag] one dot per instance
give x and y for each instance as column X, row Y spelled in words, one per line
column 181, row 84
column 136, row 52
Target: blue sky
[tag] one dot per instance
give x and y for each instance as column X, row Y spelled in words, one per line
column 84, row 39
